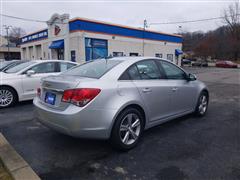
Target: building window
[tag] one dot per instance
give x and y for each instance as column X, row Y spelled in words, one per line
column 38, row 51
column 60, row 54
column 73, row 56
column 170, row 57
column 158, row 55
column 133, row 54
column 117, row 54
column 95, row 48
column 44, row 55
column 24, row 52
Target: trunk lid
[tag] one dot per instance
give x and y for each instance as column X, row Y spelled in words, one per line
column 52, row 89
column 61, row 82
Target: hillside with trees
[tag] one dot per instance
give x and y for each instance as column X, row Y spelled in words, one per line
column 222, row 43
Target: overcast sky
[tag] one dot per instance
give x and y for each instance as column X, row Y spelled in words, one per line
column 130, row 13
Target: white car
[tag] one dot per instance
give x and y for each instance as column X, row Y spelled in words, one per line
column 20, row 82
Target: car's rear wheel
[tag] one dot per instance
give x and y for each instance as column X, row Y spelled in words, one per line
column 202, row 104
column 127, row 129
column 8, row 97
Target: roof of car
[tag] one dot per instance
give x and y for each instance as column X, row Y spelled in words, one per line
column 133, row 58
column 51, row 60
column 10, row 61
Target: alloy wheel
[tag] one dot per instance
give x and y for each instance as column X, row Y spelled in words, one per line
column 6, row 97
column 130, row 129
column 203, row 104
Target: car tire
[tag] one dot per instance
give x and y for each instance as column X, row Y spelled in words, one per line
column 8, row 97
column 127, row 129
column 202, row 104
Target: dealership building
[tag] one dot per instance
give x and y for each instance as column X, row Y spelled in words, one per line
column 81, row 39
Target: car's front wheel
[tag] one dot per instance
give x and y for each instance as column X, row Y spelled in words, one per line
column 202, row 104
column 8, row 97
column 127, row 129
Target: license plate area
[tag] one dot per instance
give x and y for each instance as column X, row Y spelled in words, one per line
column 50, row 98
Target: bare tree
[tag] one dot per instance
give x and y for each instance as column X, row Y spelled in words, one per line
column 232, row 20
column 15, row 34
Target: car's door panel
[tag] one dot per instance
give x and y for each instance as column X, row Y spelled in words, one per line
column 156, row 95
column 181, row 99
column 182, row 89
column 152, row 87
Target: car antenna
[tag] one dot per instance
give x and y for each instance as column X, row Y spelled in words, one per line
column 108, row 57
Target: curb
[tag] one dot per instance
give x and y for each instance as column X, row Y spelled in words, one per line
column 14, row 163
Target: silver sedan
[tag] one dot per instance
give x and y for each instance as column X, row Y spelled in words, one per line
column 118, row 98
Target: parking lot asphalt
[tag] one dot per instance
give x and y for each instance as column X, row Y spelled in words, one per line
column 185, row 148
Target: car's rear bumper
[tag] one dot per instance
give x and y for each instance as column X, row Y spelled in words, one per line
column 94, row 123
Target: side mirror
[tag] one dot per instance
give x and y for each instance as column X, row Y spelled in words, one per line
column 30, row 72
column 191, row 77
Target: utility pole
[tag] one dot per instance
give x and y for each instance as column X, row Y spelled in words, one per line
column 180, row 31
column 144, row 28
column 7, row 28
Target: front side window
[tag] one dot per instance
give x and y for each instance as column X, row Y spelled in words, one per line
column 172, row 71
column 48, row 67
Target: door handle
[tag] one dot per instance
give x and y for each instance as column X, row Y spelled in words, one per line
column 174, row 89
column 145, row 90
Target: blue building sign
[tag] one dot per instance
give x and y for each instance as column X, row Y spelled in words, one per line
column 35, row 36
column 89, row 26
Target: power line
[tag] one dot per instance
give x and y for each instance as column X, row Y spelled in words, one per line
column 24, row 19
column 27, row 19
column 154, row 23
column 190, row 21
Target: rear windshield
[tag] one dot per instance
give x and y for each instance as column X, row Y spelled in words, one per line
column 94, row 69
column 19, row 67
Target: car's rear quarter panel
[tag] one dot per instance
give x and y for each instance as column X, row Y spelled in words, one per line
column 114, row 95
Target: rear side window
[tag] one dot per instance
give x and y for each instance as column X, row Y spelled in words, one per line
column 133, row 73
column 172, row 71
column 125, row 76
column 65, row 66
column 93, row 69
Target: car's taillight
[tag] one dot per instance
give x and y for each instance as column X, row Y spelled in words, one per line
column 39, row 92
column 67, row 95
column 80, row 97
